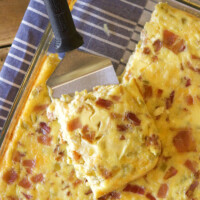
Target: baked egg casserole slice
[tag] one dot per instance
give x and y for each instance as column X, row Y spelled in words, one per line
column 111, row 137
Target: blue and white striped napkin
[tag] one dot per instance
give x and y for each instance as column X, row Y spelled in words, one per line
column 109, row 28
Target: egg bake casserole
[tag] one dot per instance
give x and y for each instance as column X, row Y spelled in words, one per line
column 139, row 140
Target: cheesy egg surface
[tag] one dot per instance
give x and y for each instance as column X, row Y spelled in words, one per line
column 166, row 66
column 111, row 137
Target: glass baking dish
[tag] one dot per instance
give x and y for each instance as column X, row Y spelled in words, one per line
column 42, row 51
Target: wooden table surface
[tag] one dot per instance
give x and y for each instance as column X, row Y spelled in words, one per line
column 11, row 15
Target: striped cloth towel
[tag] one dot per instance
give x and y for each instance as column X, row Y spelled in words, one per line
column 109, row 28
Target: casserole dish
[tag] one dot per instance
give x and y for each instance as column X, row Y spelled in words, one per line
column 27, row 85
column 192, row 7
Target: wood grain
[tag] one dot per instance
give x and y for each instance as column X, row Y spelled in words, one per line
column 3, row 54
column 11, row 14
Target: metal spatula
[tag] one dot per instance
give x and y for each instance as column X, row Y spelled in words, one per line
column 78, row 70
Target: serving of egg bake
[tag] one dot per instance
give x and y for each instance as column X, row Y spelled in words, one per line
column 139, row 140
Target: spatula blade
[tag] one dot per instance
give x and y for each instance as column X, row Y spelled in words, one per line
column 80, row 70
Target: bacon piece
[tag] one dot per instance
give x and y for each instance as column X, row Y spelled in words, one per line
column 170, row 100
column 157, row 45
column 85, row 129
column 115, row 195
column 77, row 182
column 147, row 91
column 59, row 158
column 115, row 97
column 39, row 108
column 134, row 189
column 185, row 109
column 184, row 141
column 197, row 174
column 111, row 195
column 122, row 137
column 159, row 93
column 154, row 58
column 85, row 180
column 10, row 176
column 74, row 124
column 12, row 198
column 150, row 196
column 195, row 57
column 37, row 178
column 61, row 153
column 133, row 118
column 105, row 197
column 43, row 139
column 179, row 46
column 105, row 173
column 195, row 69
column 157, row 117
column 151, row 140
column 27, row 196
column 181, row 67
column 173, row 42
column 191, row 165
column 122, row 127
column 170, row 172
column 89, row 136
column 44, row 128
column 146, row 50
column 17, row 156
column 25, row 183
column 76, row 155
column 29, row 170
column 162, row 192
column 188, row 82
column 69, row 193
column 166, row 158
column 191, row 189
column 169, row 38
column 88, row 192
column 189, row 100
column 189, row 65
column 104, row 103
column 29, row 163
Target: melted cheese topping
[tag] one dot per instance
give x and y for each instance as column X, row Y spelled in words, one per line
column 166, row 69
column 112, row 138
